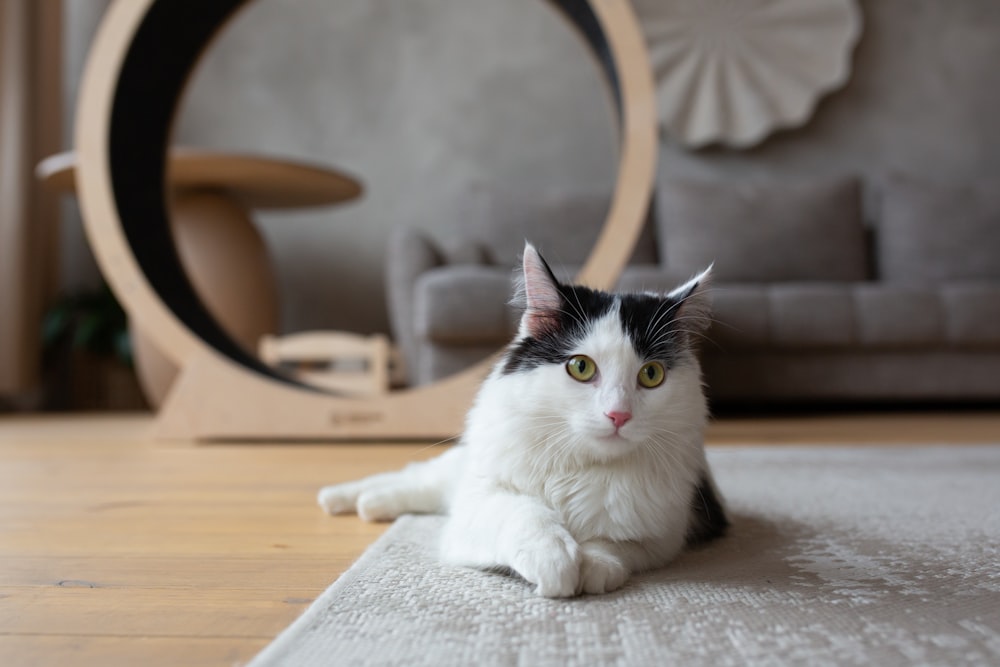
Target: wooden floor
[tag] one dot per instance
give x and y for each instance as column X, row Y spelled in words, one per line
column 118, row 551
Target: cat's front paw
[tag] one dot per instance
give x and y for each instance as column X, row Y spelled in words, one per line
column 601, row 571
column 378, row 498
column 371, row 504
column 338, row 498
column 553, row 565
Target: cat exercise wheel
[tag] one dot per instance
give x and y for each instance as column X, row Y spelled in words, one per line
column 142, row 57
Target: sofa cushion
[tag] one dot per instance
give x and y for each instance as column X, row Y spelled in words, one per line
column 899, row 316
column 972, row 311
column 462, row 309
column 562, row 223
column 931, row 232
column 817, row 315
column 855, row 316
column 811, row 315
column 754, row 232
column 740, row 316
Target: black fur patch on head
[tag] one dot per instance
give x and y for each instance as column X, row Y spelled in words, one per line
column 579, row 307
column 708, row 518
column 558, row 316
column 649, row 322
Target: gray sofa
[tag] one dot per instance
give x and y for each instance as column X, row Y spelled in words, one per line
column 812, row 302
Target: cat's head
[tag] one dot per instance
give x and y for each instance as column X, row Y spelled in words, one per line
column 607, row 373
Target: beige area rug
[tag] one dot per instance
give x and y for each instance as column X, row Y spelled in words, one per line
column 836, row 556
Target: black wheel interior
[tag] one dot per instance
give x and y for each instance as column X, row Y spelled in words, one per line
column 161, row 57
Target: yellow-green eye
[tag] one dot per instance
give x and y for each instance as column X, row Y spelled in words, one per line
column 581, row 368
column 652, row 374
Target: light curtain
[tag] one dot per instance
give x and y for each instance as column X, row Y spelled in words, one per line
column 30, row 129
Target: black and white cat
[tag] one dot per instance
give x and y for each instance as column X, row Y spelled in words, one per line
column 582, row 460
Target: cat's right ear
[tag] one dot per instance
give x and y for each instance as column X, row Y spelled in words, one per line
column 694, row 302
column 543, row 299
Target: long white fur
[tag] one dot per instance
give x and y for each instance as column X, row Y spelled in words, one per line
column 543, row 482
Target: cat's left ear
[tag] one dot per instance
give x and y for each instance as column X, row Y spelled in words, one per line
column 543, row 300
column 694, row 303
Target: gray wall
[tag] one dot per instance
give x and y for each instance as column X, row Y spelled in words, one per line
column 924, row 96
column 422, row 98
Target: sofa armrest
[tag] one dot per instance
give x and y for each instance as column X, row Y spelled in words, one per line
column 410, row 253
column 465, row 305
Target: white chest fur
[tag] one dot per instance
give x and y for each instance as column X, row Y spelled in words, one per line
column 632, row 499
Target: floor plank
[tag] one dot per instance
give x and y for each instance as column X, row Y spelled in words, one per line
column 183, row 572
column 150, row 611
column 49, row 649
column 118, row 551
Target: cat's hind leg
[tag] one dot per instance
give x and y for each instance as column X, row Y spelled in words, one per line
column 419, row 488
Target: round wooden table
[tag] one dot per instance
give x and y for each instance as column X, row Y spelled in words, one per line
column 221, row 250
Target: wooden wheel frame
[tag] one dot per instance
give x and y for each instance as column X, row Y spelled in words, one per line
column 136, row 73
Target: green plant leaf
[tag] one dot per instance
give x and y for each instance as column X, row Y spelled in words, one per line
column 93, row 320
column 54, row 325
column 123, row 347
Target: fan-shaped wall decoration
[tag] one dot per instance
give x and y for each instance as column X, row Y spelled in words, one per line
column 733, row 71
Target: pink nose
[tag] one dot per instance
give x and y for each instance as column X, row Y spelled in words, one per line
column 619, row 417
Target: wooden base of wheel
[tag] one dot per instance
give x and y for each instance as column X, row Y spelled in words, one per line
column 213, row 400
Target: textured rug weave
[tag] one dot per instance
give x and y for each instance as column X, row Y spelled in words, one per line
column 836, row 556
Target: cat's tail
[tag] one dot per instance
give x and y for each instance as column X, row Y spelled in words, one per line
column 419, row 488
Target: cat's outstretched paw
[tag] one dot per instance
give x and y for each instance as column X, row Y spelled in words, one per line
column 338, row 499
column 553, row 565
column 382, row 505
column 601, row 571
column 376, row 503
